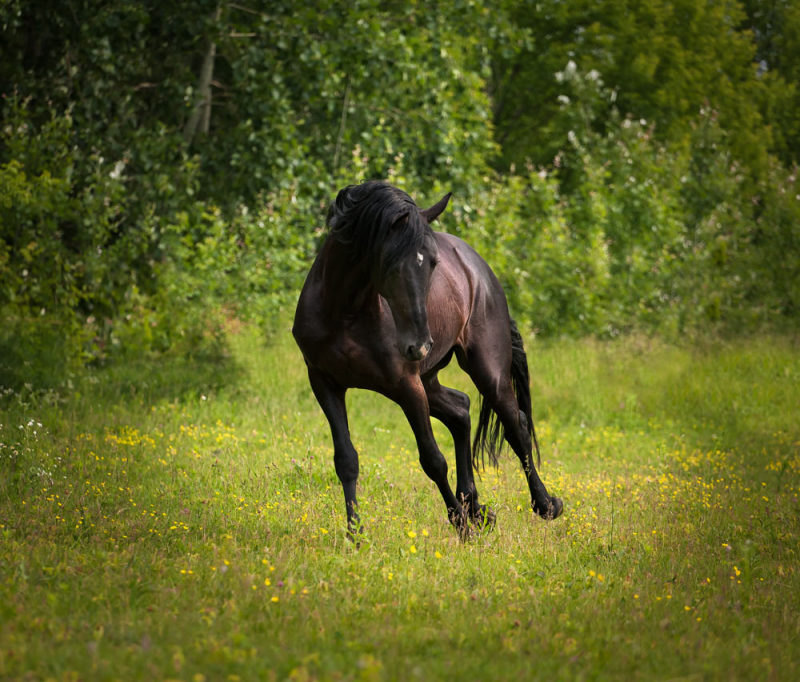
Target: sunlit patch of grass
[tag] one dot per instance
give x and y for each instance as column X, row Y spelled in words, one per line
column 203, row 534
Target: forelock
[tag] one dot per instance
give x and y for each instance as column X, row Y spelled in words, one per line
column 378, row 222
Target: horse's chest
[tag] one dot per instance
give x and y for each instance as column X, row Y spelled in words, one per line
column 347, row 355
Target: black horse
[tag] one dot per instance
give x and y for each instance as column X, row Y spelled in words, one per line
column 386, row 305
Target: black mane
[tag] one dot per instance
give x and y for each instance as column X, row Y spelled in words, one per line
column 378, row 222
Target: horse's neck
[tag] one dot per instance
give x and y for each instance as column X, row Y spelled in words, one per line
column 347, row 288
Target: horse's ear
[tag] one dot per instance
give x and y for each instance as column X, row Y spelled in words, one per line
column 432, row 213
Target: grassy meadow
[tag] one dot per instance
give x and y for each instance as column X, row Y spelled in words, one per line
column 182, row 520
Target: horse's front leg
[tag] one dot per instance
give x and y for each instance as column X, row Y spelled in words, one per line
column 412, row 398
column 451, row 407
column 330, row 396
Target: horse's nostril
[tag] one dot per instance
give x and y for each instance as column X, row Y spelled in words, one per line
column 416, row 352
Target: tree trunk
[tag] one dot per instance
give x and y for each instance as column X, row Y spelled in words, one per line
column 201, row 113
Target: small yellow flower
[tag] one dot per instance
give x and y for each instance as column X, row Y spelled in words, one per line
column 412, row 534
column 275, row 600
column 267, row 582
column 438, row 554
column 412, row 549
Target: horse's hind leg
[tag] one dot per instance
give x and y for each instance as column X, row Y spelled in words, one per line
column 493, row 379
column 345, row 458
column 517, row 436
column 451, row 407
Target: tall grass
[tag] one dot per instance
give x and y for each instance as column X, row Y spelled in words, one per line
column 184, row 521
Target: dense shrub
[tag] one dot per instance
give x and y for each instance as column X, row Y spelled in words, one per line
column 90, row 268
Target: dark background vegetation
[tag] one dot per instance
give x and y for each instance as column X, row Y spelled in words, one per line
column 165, row 167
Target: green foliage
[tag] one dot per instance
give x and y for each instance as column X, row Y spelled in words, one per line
column 664, row 61
column 552, row 273
column 776, row 243
column 621, row 165
column 775, row 26
column 629, row 233
column 91, row 268
column 52, row 231
column 307, row 86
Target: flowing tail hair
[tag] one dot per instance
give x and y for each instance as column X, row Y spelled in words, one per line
column 489, row 429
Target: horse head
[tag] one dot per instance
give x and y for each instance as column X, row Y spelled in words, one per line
column 406, row 283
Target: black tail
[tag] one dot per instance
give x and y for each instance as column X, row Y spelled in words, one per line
column 489, row 429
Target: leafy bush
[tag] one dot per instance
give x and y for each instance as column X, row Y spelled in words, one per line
column 90, row 270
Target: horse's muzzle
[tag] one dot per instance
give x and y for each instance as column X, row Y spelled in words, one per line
column 418, row 353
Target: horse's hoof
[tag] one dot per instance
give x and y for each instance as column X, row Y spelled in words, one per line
column 484, row 517
column 554, row 509
column 355, row 533
column 458, row 519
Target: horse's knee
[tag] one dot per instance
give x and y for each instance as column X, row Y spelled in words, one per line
column 434, row 465
column 461, row 420
column 454, row 412
column 460, row 410
column 345, row 461
column 463, row 402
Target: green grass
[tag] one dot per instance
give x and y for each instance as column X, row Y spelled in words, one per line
column 184, row 521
